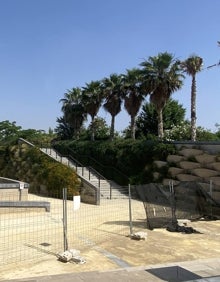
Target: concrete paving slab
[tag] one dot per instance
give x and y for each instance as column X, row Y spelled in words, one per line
column 155, row 273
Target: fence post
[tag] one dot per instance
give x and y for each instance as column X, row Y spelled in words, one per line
column 65, row 241
column 110, row 191
column 173, row 204
column 210, row 192
column 130, row 213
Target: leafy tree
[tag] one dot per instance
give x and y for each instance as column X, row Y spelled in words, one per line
column 9, row 131
column 182, row 132
column 192, row 66
column 92, row 99
column 100, row 128
column 73, row 109
column 162, row 76
column 133, row 95
column 112, row 91
column 173, row 114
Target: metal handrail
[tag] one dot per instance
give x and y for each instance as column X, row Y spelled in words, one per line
column 78, row 164
column 110, row 168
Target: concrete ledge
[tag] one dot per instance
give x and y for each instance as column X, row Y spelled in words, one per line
column 25, row 204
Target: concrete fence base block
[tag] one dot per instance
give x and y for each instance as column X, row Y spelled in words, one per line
column 139, row 236
column 71, row 255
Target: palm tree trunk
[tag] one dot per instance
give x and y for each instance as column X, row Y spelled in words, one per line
column 160, row 123
column 112, row 129
column 193, row 109
column 92, row 129
column 133, row 127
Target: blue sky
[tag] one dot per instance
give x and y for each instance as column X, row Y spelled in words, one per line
column 49, row 46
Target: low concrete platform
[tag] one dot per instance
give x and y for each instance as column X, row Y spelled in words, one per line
column 25, row 204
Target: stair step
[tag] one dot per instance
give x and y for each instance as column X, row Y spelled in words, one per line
column 105, row 185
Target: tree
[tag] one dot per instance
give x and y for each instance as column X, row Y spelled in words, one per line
column 100, row 128
column 182, row 132
column 173, row 115
column 92, row 99
column 112, row 91
column 162, row 76
column 9, row 130
column 73, row 109
column 133, row 95
column 192, row 66
column 63, row 130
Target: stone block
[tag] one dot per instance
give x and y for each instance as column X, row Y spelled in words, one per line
column 173, row 171
column 214, row 166
column 189, row 165
column 205, row 158
column 187, row 177
column 190, row 152
column 204, row 172
column 174, row 159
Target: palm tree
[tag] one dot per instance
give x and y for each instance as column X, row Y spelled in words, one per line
column 133, row 95
column 112, row 91
column 63, row 129
column 161, row 77
column 92, row 99
column 73, row 109
column 192, row 66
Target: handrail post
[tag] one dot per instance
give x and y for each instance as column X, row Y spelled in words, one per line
column 130, row 212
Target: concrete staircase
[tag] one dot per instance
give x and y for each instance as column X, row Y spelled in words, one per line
column 108, row 188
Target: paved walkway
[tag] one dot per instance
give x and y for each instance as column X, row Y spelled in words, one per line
column 198, row 270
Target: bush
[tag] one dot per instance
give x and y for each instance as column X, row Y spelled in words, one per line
column 29, row 164
column 123, row 160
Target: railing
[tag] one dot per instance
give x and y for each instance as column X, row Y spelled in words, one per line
column 109, row 172
column 77, row 164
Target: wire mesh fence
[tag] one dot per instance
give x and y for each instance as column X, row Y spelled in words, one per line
column 33, row 227
column 50, row 225
column 164, row 204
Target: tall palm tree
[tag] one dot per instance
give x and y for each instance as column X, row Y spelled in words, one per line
column 192, row 66
column 112, row 91
column 133, row 95
column 73, row 109
column 161, row 77
column 92, row 100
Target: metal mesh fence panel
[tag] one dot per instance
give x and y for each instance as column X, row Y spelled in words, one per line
column 187, row 200
column 37, row 230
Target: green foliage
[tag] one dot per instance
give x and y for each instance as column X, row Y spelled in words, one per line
column 98, row 128
column 28, row 164
column 10, row 132
column 182, row 132
column 126, row 160
column 60, row 176
column 147, row 121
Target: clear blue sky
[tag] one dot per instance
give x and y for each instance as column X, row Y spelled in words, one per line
column 49, row 46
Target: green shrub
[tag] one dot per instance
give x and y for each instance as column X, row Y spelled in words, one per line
column 30, row 165
column 123, row 160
